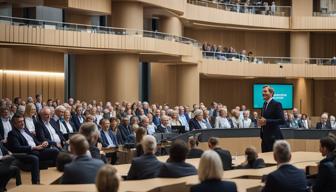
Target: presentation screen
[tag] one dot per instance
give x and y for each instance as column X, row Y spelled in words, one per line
column 282, row 93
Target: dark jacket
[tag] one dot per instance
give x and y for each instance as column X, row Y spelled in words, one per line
column 82, row 170
column 193, row 124
column 144, row 167
column 177, row 169
column 161, row 129
column 43, row 134
column 16, row 143
column 104, row 140
column 225, row 156
column 76, row 121
column 125, row 131
column 326, row 177
column 194, row 153
column 214, row 185
column 327, row 126
column 256, row 164
column 286, row 178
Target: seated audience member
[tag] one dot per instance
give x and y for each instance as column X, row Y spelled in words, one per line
column 46, row 132
column 222, row 121
column 124, row 129
column 207, row 119
column 115, row 130
column 235, row 118
column 5, row 125
column 71, row 128
column 292, row 122
column 176, row 166
column 83, row 169
column 30, row 118
column 20, row 140
column 147, row 165
column 210, row 174
column 78, row 118
column 193, row 151
column 184, row 118
column 148, row 123
column 197, row 122
column 91, row 133
column 108, row 139
column 245, row 122
column 225, row 155
column 164, row 127
column 287, row 177
column 157, row 117
column 107, row 179
column 254, row 119
column 252, row 160
column 63, row 158
column 175, row 121
column 57, row 121
column 332, row 122
column 139, row 134
column 7, row 168
column 326, row 177
column 305, row 122
column 324, row 123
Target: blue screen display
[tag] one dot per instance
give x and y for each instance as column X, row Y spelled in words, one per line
column 283, row 93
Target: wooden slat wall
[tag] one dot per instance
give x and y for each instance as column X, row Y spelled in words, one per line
column 24, row 85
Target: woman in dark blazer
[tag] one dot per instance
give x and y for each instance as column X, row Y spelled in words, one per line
column 210, row 172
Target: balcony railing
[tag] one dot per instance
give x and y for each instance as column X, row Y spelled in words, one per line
column 266, row 60
column 95, row 29
column 259, row 8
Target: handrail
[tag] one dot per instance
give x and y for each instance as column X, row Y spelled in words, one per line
column 96, row 29
column 243, row 8
column 265, row 59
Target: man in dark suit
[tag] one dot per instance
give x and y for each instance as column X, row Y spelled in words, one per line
column 326, row 177
column 108, row 139
column 286, row 177
column 225, row 155
column 7, row 169
column 324, row 123
column 147, row 165
column 124, row 129
column 5, row 125
column 197, row 121
column 271, row 120
column 78, row 118
column 47, row 132
column 157, row 117
column 20, row 140
column 176, row 166
column 83, row 169
column 164, row 127
column 193, row 151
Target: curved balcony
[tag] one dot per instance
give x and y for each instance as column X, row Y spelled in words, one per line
column 237, row 65
column 314, row 23
column 206, row 13
column 29, row 32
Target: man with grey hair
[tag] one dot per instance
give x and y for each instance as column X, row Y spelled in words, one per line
column 324, row 123
column 197, row 121
column 146, row 166
column 286, row 177
column 164, row 127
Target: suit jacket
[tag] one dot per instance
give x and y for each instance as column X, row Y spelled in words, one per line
column 194, row 153
column 256, row 164
column 193, row 124
column 3, row 150
column 17, row 143
column 76, row 121
column 43, row 134
column 156, row 120
column 274, row 119
column 161, row 129
column 2, row 130
column 286, row 178
column 125, row 131
column 177, row 169
column 225, row 156
column 327, row 126
column 326, row 177
column 214, row 185
column 82, row 170
column 104, row 140
column 144, row 167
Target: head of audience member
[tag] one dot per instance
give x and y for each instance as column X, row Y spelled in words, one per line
column 67, row 115
column 246, row 114
column 327, row 145
column 243, row 108
column 181, row 110
column 114, row 123
column 78, row 145
column 206, row 114
column 21, row 109
column 134, row 120
column 144, row 121
column 105, row 124
column 332, row 119
column 79, row 110
column 192, row 142
column 198, row 114
column 71, row 101
column 38, row 98
column 174, row 115
column 89, row 118
column 304, row 116
column 295, row 112
column 125, row 121
column 251, row 154
column 139, row 134
column 223, row 112
column 4, row 111
column 291, row 117
column 178, row 151
column 45, row 114
column 149, row 144
column 210, row 166
column 150, row 118
column 164, row 120
column 30, row 110
column 107, row 179
column 59, row 111
column 282, row 151
column 18, row 121
column 267, row 92
column 62, row 159
column 13, row 109
column 213, row 142
column 324, row 118
column 90, row 131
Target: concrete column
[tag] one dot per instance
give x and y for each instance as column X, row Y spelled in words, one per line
column 122, row 77
column 300, row 47
column 188, row 85
column 127, row 15
column 171, row 25
column 304, row 96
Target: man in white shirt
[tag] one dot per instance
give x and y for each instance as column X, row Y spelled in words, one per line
column 183, row 118
column 5, row 125
column 245, row 122
column 145, row 123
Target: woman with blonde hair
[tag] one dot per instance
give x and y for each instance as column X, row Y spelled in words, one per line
column 210, row 172
column 30, row 118
column 107, row 179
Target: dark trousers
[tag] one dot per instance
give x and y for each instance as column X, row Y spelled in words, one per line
column 113, row 157
column 267, row 145
column 8, row 171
